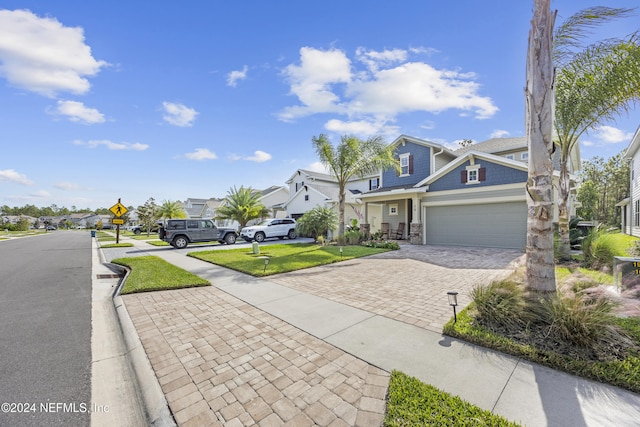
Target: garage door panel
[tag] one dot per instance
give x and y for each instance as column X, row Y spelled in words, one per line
column 500, row 225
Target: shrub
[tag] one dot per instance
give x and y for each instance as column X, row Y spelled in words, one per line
column 383, row 245
column 600, row 247
column 353, row 237
column 500, row 304
column 317, row 222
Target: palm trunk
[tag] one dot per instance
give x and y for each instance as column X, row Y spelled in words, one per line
column 564, row 251
column 341, row 198
column 539, row 106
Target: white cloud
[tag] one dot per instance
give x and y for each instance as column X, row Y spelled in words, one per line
column 611, row 135
column 201, row 154
column 499, row 133
column 178, row 114
column 258, row 157
column 40, row 194
column 13, row 176
column 43, row 56
column 317, row 167
column 587, row 143
column 234, row 76
column 389, row 85
column 66, row 186
column 136, row 146
column 362, row 128
column 77, row 112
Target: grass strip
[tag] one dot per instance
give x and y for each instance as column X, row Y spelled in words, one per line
column 282, row 258
column 151, row 273
column 622, row 373
column 116, row 245
column 411, row 402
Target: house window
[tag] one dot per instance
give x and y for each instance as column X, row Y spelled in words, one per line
column 509, row 156
column 406, row 164
column 393, row 209
column 306, row 197
column 636, row 214
column 374, row 183
column 524, row 156
column 299, row 185
column 473, row 174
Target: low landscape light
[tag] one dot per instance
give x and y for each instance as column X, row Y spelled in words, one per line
column 266, row 262
column 453, row 302
column 340, row 251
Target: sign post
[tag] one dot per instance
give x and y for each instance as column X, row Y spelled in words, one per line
column 118, row 210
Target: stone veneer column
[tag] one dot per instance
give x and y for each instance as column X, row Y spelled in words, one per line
column 415, row 233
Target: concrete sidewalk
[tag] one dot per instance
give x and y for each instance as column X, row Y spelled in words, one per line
column 183, row 331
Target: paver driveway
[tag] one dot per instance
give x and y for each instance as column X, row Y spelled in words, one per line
column 409, row 285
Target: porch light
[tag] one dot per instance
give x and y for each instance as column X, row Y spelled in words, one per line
column 266, row 262
column 453, row 302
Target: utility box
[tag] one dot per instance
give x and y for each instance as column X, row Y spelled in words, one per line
column 256, row 248
column 626, row 275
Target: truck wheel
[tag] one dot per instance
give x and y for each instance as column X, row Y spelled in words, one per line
column 259, row 237
column 137, row 231
column 230, row 239
column 292, row 234
column 180, row 242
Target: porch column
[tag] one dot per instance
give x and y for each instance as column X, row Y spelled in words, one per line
column 416, row 228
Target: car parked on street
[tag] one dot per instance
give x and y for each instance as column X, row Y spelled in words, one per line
column 180, row 232
column 270, row 228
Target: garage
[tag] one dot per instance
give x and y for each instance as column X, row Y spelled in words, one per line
column 493, row 225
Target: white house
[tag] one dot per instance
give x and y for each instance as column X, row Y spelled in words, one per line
column 631, row 205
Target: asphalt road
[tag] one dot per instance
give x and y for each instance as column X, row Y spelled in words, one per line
column 45, row 330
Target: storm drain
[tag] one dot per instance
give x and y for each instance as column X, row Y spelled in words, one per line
column 108, row 276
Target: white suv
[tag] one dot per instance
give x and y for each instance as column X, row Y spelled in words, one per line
column 269, row 228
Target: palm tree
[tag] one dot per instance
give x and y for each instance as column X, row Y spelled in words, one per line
column 170, row 209
column 352, row 157
column 539, row 116
column 242, row 205
column 594, row 85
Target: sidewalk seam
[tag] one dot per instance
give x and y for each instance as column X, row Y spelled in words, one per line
column 506, row 383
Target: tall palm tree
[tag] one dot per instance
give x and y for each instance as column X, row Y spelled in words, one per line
column 594, row 85
column 352, row 157
column 539, row 117
column 170, row 209
column 242, row 205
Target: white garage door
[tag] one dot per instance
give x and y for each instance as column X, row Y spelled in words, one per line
column 492, row 225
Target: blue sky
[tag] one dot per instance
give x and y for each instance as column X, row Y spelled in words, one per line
column 170, row 100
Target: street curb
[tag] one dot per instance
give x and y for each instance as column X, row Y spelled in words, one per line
column 155, row 404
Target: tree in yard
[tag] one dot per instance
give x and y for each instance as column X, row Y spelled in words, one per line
column 317, row 222
column 148, row 214
column 170, row 209
column 352, row 157
column 594, row 85
column 242, row 205
column 539, row 125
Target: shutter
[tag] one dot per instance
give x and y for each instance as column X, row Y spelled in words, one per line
column 482, row 174
column 410, row 164
column 463, row 176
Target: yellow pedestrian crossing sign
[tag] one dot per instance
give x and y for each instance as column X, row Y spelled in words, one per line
column 118, row 209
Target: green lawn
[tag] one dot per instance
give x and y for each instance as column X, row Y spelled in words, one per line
column 151, row 273
column 414, row 403
column 283, row 258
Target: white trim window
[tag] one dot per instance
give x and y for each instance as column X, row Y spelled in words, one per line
column 393, row 209
column 509, row 156
column 524, row 156
column 473, row 174
column 405, row 164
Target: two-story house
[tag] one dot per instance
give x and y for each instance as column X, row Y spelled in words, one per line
column 474, row 196
column 309, row 189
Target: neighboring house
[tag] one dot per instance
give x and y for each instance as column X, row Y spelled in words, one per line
column 201, row 208
column 274, row 199
column 309, row 189
column 473, row 196
column 631, row 205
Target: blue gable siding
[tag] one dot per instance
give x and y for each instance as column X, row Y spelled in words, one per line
column 421, row 166
column 496, row 175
